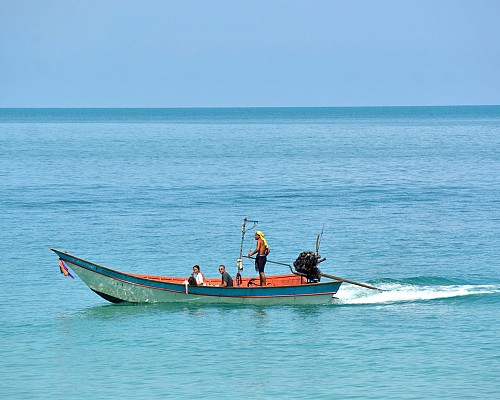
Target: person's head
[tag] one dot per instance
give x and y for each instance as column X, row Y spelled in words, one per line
column 259, row 235
column 196, row 269
column 222, row 269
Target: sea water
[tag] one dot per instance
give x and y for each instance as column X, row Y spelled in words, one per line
column 407, row 199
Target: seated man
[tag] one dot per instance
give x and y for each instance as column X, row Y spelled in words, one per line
column 227, row 281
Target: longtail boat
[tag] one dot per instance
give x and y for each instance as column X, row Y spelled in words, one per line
column 116, row 287
column 301, row 286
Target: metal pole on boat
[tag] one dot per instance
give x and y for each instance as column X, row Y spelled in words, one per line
column 243, row 231
column 272, row 262
column 240, row 263
column 336, row 278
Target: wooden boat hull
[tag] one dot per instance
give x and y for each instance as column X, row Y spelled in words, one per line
column 116, row 286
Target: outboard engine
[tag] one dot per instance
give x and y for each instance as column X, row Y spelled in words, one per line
column 306, row 264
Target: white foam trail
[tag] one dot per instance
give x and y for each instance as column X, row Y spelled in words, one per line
column 395, row 292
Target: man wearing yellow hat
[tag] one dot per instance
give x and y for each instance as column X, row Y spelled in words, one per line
column 262, row 250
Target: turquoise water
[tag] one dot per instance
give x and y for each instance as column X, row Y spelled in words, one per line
column 409, row 200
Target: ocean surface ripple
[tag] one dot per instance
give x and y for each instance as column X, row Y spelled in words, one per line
column 407, row 197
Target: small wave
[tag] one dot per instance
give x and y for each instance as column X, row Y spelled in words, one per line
column 422, row 281
column 403, row 292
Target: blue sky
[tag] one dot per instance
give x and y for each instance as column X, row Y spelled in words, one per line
column 231, row 53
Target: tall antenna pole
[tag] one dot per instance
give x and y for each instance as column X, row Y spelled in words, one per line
column 243, row 224
column 243, row 231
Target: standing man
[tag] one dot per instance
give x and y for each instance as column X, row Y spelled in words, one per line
column 262, row 250
column 227, row 281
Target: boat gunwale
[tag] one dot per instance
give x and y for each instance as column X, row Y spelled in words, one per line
column 231, row 288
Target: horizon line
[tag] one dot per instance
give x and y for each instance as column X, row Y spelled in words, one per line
column 242, row 107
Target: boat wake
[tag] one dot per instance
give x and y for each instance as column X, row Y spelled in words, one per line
column 406, row 292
